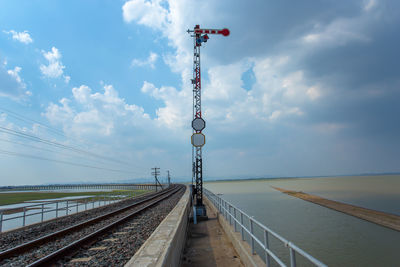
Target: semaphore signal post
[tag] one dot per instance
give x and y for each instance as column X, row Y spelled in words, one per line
column 198, row 139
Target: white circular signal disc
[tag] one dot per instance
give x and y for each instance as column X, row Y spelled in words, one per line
column 198, row 139
column 198, row 124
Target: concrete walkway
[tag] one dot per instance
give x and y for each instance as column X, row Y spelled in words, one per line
column 207, row 245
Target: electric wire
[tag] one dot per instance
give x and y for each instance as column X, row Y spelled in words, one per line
column 11, row 153
column 52, row 130
column 49, row 142
column 46, row 149
column 55, row 144
column 26, row 119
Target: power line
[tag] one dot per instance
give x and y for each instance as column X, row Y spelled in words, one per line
column 56, row 144
column 5, row 152
column 45, row 149
column 26, row 119
column 49, row 142
column 55, row 131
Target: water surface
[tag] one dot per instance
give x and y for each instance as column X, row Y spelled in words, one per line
column 335, row 238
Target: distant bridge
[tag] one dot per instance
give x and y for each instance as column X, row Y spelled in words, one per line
column 81, row 186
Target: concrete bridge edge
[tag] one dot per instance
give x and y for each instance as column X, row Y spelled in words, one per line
column 165, row 245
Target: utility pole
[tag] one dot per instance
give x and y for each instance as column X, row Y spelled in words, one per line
column 198, row 123
column 169, row 179
column 156, row 172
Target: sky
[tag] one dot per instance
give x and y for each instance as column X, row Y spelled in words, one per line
column 100, row 91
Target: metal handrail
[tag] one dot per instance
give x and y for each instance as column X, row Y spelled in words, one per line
column 44, row 210
column 225, row 208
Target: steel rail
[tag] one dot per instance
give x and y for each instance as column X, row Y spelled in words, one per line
column 44, row 239
column 74, row 247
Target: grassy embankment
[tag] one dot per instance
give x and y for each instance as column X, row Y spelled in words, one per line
column 388, row 220
column 19, row 197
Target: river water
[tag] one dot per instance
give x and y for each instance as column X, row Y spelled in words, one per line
column 332, row 237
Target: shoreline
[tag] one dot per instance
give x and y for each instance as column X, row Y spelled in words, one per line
column 296, row 177
column 387, row 220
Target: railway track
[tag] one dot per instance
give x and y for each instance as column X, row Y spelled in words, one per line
column 58, row 247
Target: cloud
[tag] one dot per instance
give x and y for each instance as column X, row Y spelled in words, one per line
column 148, row 13
column 67, row 79
column 174, row 115
column 94, row 114
column 11, row 83
column 325, row 65
column 113, row 127
column 227, row 101
column 314, row 92
column 338, row 33
column 23, row 37
column 55, row 68
column 150, row 61
column 369, row 4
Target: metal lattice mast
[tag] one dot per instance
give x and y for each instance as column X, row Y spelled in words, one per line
column 198, row 124
column 198, row 160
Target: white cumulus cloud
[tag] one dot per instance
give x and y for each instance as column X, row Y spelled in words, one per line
column 150, row 61
column 23, row 37
column 175, row 113
column 55, row 68
column 11, row 83
column 98, row 114
column 148, row 13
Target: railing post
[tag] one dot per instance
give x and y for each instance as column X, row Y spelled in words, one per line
column 224, row 205
column 93, row 203
column 77, row 208
column 42, row 212
column 23, row 220
column 1, row 221
column 292, row 257
column 234, row 218
column 57, row 209
column 226, row 211
column 251, row 235
column 242, row 225
column 85, row 204
column 66, row 212
column 266, row 244
column 230, row 214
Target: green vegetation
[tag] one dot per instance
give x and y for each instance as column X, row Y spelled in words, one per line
column 18, row 197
